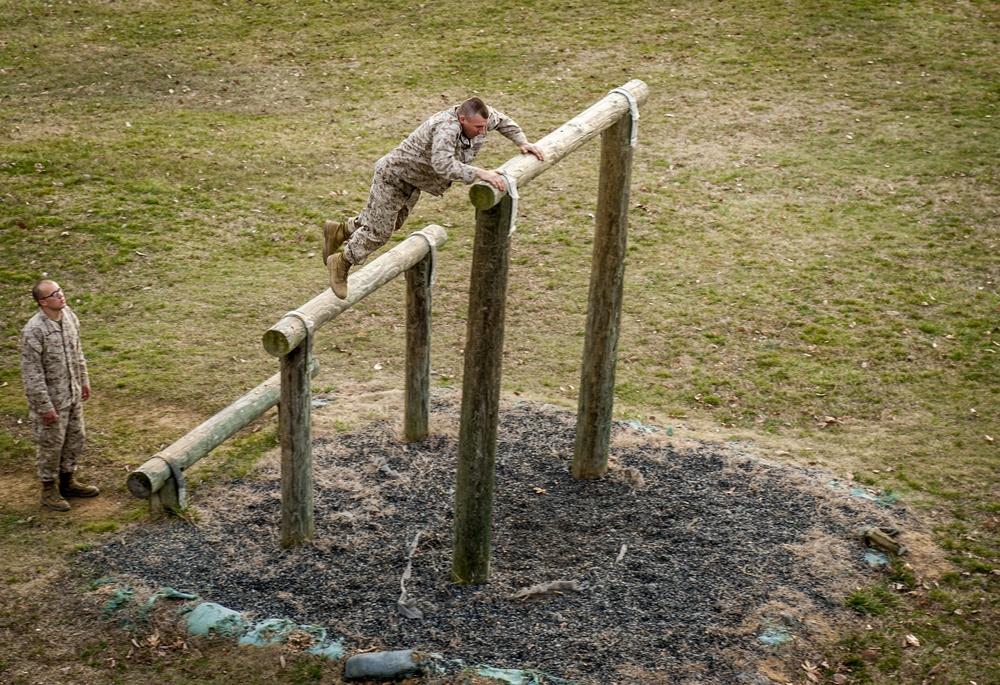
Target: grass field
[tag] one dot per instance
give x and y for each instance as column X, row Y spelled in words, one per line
column 813, row 256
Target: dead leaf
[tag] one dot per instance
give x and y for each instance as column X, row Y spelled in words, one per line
column 840, row 678
column 911, row 641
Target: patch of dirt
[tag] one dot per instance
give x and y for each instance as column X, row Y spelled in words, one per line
column 683, row 556
column 22, row 492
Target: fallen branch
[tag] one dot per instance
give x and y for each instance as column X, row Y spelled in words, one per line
column 554, row 587
column 405, row 606
column 878, row 537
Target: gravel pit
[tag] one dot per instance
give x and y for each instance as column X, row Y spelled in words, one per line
column 688, row 563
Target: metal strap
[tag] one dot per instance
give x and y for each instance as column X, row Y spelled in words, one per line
column 178, row 475
column 633, row 108
column 306, row 321
column 433, row 250
column 512, row 191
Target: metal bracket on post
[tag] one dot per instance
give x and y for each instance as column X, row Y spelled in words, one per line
column 177, row 499
column 306, row 321
column 512, row 192
column 633, row 108
column 433, row 251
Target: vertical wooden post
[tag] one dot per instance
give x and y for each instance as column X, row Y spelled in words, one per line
column 160, row 504
column 167, row 499
column 600, row 350
column 477, row 440
column 418, row 349
column 294, row 415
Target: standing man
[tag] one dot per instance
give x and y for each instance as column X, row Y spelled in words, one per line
column 57, row 384
column 433, row 157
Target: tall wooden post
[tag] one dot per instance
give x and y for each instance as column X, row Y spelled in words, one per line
column 477, row 440
column 418, row 349
column 600, row 349
column 294, row 415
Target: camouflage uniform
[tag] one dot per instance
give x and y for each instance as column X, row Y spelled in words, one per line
column 433, row 157
column 55, row 373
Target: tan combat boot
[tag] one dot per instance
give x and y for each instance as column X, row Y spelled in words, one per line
column 334, row 235
column 69, row 487
column 51, row 497
column 339, row 267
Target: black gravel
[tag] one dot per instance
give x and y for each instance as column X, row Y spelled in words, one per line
column 712, row 554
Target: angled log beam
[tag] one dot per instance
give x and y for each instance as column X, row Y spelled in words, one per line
column 285, row 335
column 154, row 474
column 588, row 124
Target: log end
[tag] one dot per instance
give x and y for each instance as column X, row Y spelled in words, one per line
column 140, row 485
column 483, row 195
column 276, row 343
column 639, row 90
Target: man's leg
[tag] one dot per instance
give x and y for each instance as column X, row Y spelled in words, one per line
column 49, row 439
column 72, row 448
column 389, row 203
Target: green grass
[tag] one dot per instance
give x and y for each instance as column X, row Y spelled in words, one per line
column 873, row 601
column 814, row 233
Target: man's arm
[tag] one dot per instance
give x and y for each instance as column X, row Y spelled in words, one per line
column 443, row 160
column 527, row 148
column 81, row 360
column 33, row 374
column 492, row 177
column 509, row 129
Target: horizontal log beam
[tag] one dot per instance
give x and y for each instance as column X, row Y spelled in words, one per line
column 290, row 330
column 561, row 142
column 151, row 476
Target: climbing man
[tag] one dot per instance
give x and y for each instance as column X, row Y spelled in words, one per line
column 56, row 383
column 433, row 157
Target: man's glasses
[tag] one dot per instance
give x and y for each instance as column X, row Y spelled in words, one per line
column 52, row 294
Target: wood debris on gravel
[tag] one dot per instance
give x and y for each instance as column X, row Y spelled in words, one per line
column 676, row 562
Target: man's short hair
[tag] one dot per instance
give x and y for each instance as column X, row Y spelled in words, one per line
column 474, row 107
column 36, row 289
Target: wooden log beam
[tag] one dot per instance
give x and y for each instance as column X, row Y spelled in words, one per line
column 152, row 475
column 290, row 330
column 416, row 417
column 604, row 308
column 295, row 417
column 561, row 142
column 477, row 438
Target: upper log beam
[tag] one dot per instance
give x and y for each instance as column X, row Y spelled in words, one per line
column 561, row 142
column 291, row 330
